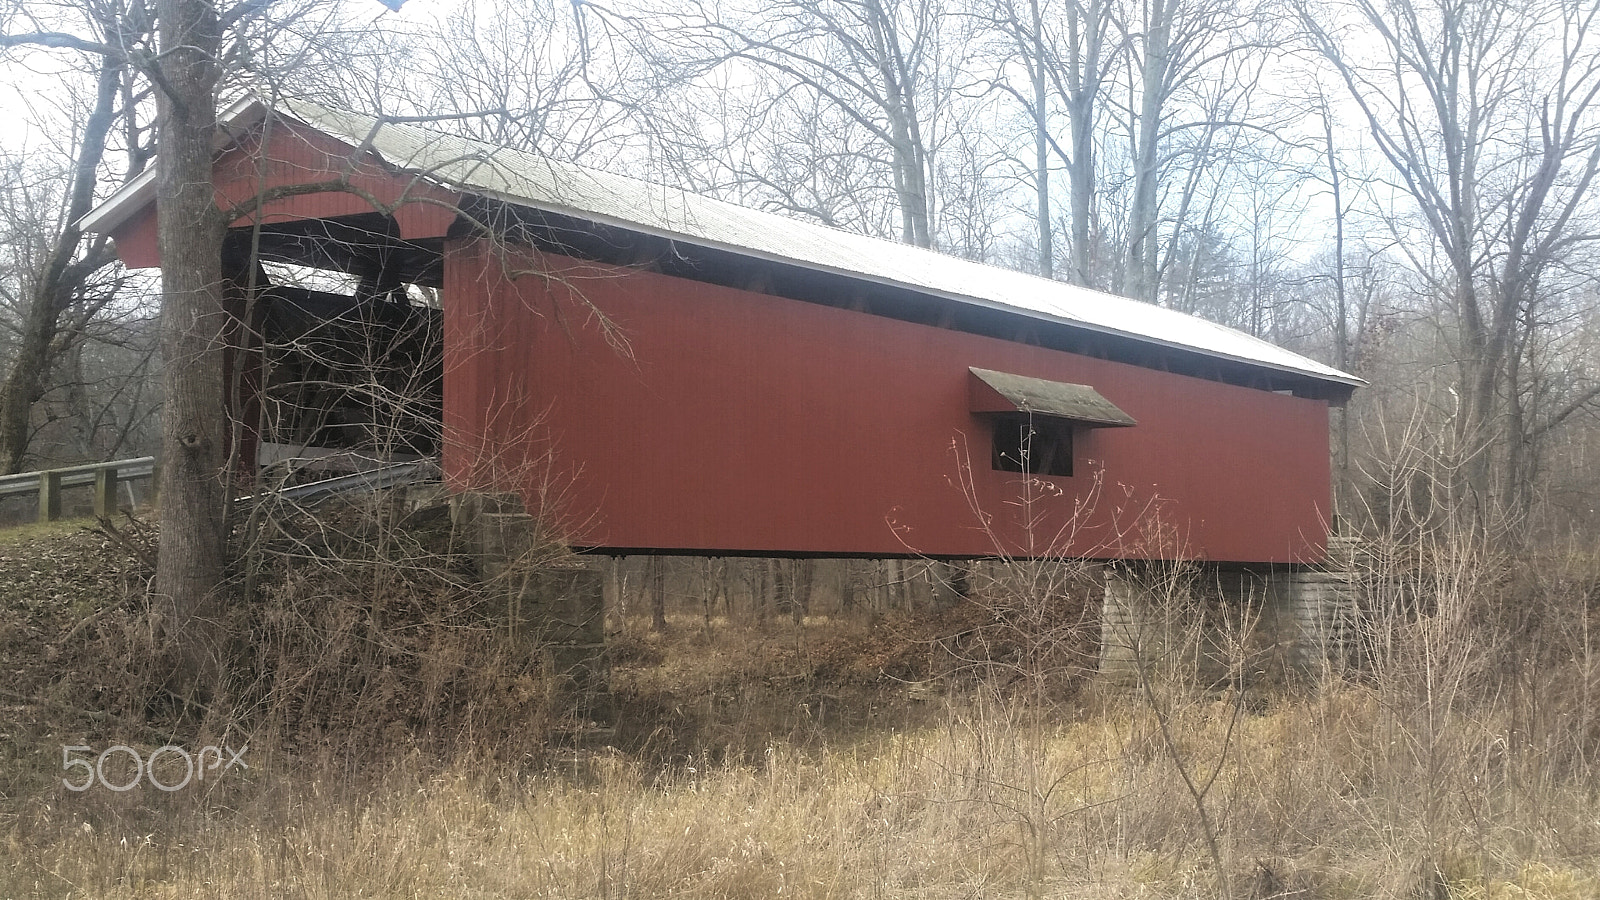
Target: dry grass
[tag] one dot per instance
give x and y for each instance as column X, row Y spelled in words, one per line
column 1460, row 765
column 993, row 802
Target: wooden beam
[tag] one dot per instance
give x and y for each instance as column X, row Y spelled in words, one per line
column 105, row 492
column 49, row 496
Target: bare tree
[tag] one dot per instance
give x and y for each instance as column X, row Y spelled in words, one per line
column 75, row 375
column 1488, row 116
column 1157, row 98
column 57, row 292
column 1190, row 76
column 105, row 399
column 525, row 59
column 874, row 63
column 1068, row 52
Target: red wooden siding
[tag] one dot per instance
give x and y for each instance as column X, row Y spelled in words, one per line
column 297, row 156
column 136, row 240
column 742, row 422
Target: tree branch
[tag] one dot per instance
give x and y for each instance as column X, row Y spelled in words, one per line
column 61, row 41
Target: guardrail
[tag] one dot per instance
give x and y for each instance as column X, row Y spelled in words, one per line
column 370, row 480
column 104, row 477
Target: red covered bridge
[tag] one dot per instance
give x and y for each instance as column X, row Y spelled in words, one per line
column 663, row 372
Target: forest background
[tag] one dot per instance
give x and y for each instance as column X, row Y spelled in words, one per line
column 1403, row 190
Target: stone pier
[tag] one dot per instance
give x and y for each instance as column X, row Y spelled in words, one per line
column 543, row 601
column 1216, row 624
column 1325, row 607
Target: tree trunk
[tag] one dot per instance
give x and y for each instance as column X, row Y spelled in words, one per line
column 1341, row 313
column 655, row 580
column 1041, row 147
column 25, row 381
column 766, row 582
column 906, row 147
column 802, row 573
column 1086, row 38
column 1140, row 271
column 893, row 584
column 194, row 433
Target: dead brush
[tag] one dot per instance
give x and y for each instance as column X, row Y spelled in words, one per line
column 371, row 634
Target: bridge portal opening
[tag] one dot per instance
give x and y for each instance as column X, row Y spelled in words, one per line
column 342, row 333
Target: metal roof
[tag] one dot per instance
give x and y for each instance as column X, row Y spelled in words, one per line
column 1078, row 402
column 527, row 179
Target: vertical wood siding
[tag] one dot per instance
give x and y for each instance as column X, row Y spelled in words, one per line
column 741, row 422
